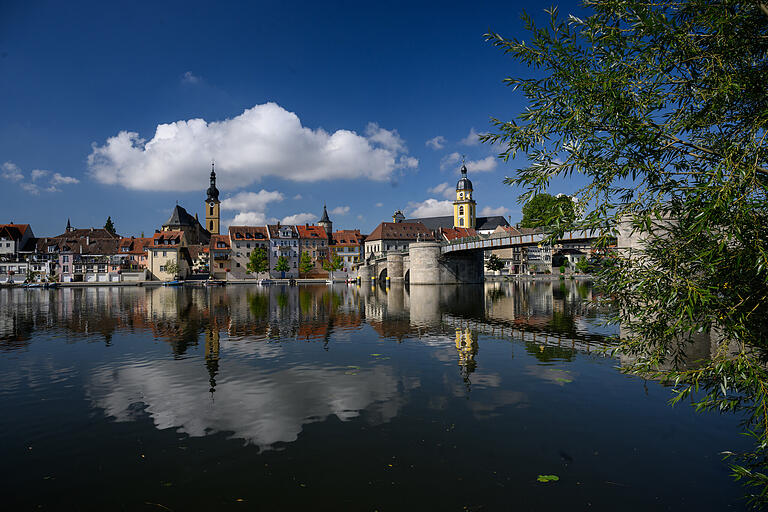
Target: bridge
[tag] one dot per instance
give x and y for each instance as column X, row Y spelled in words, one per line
column 458, row 261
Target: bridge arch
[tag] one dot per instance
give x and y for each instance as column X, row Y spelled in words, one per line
column 407, row 276
column 383, row 274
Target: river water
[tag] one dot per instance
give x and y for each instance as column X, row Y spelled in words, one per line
column 340, row 398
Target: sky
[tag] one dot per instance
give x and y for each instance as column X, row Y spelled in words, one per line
column 117, row 109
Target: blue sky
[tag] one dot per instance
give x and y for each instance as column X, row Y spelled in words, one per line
column 299, row 103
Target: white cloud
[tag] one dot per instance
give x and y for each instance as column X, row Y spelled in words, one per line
column 36, row 174
column 340, row 210
column 189, row 78
column 471, row 139
column 256, row 201
column 30, row 187
column 486, row 164
column 430, row 208
column 12, row 172
column 265, row 140
column 300, row 218
column 297, row 197
column 436, row 142
column 489, row 211
column 251, row 219
column 379, row 205
column 390, row 139
column 449, row 160
column 408, row 162
column 444, row 189
column 58, row 179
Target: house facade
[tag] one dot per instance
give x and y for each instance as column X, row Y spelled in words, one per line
column 243, row 241
column 348, row 245
column 313, row 240
column 283, row 242
column 395, row 236
column 168, row 250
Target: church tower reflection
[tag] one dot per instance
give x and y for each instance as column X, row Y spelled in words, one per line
column 466, row 346
column 212, row 354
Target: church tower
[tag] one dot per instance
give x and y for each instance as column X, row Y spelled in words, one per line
column 212, row 206
column 464, row 215
column 326, row 224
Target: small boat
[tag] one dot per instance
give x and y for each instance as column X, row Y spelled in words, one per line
column 212, row 282
column 175, row 282
column 264, row 281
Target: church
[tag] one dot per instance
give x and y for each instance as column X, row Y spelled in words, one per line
column 194, row 232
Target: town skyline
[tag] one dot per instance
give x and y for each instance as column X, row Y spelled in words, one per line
column 129, row 127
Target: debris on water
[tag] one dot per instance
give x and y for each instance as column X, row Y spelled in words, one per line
column 548, row 478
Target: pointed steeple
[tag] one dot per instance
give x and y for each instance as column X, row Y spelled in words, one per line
column 324, row 218
column 69, row 226
column 213, row 192
column 326, row 224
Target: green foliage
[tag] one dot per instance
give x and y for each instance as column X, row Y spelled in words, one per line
column 562, row 269
column 547, row 478
column 544, row 210
column 494, row 263
column 258, row 304
column 258, row 261
column 282, row 264
column 306, row 264
column 582, row 265
column 172, row 268
column 109, row 225
column 661, row 106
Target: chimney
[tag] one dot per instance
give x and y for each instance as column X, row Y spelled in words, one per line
column 278, row 224
column 88, row 239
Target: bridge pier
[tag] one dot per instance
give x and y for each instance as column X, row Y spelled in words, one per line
column 395, row 267
column 430, row 266
column 364, row 273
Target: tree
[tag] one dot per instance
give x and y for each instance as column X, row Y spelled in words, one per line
column 109, row 225
column 544, row 209
column 306, row 264
column 282, row 264
column 582, row 265
column 172, row 268
column 257, row 262
column 494, row 263
column 661, row 106
column 333, row 264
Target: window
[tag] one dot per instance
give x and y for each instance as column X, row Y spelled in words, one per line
column 65, row 259
column 165, row 253
column 211, row 228
column 211, row 213
column 461, row 221
column 237, row 264
column 66, row 268
column 461, row 210
column 162, row 268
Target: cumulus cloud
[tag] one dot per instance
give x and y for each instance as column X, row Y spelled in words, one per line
column 430, row 208
column 256, row 201
column 486, row 164
column 11, row 172
column 436, row 142
column 340, row 210
column 489, row 211
column 189, row 78
column 265, row 140
column 36, row 174
column 471, row 139
column 379, row 205
column 407, row 162
column 444, row 189
column 297, row 197
column 58, row 179
column 449, row 160
column 251, row 219
column 300, row 218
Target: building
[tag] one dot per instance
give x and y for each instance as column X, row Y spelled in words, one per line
column 326, row 224
column 283, row 242
column 348, row 245
column 395, row 236
column 448, row 234
column 194, row 232
column 243, row 241
column 168, row 250
column 90, row 260
column 212, row 206
column 314, row 241
column 220, row 263
column 14, row 239
column 133, row 252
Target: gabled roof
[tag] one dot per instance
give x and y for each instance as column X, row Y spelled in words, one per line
column 98, row 246
column 92, row 233
column 508, row 230
column 307, row 231
column 324, row 218
column 134, row 245
column 173, row 237
column 13, row 231
column 248, row 233
column 347, row 237
column 454, row 233
column 217, row 239
column 406, row 231
column 180, row 217
column 274, row 230
column 490, row 223
column 446, row 221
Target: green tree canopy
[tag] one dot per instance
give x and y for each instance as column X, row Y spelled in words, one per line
column 544, row 209
column 494, row 263
column 335, row 263
column 282, row 264
column 258, row 261
column 661, row 107
column 109, row 225
column 306, row 264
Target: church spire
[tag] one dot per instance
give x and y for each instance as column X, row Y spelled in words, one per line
column 213, row 192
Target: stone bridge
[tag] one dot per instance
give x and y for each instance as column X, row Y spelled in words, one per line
column 457, row 262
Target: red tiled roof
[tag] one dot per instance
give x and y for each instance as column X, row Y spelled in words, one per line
column 166, row 235
column 401, row 231
column 134, row 245
column 347, row 237
column 217, row 239
column 453, row 233
column 248, row 232
column 91, row 232
column 311, row 232
column 14, row 231
column 274, row 230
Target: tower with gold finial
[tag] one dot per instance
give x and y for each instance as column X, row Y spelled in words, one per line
column 464, row 214
column 212, row 205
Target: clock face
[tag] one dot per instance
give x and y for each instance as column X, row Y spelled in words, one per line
column 213, row 204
